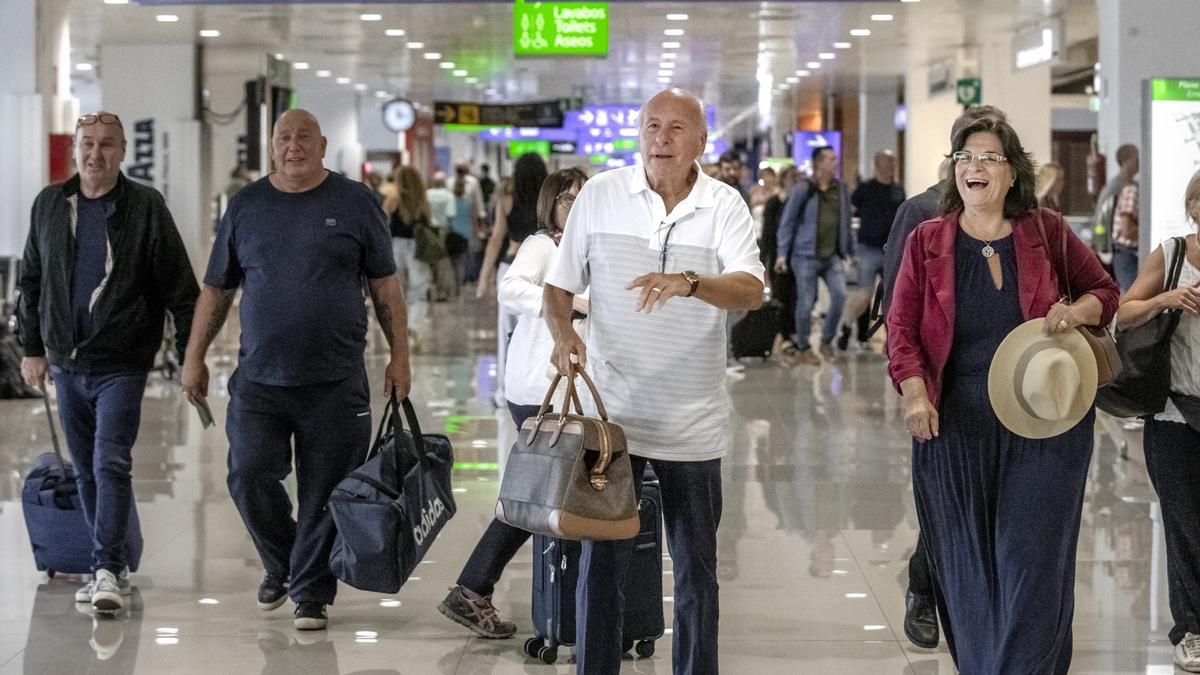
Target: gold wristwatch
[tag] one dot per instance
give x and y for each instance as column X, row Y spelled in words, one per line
column 693, row 279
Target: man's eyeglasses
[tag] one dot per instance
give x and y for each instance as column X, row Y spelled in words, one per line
column 566, row 199
column 984, row 158
column 102, row 118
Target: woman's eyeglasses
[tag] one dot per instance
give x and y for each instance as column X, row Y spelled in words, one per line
column 566, row 199
column 102, row 118
column 984, row 158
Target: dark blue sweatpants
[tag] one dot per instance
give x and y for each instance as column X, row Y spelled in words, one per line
column 330, row 425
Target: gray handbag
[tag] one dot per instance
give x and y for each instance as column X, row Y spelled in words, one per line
column 569, row 475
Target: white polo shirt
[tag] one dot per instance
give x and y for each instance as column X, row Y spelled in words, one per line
column 661, row 375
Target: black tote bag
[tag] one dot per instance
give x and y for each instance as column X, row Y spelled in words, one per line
column 1144, row 384
column 389, row 511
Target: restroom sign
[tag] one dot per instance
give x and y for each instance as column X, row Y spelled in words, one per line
column 560, row 28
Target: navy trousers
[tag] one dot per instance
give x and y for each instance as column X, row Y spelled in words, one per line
column 691, row 494
column 1173, row 462
column 100, row 417
column 330, row 426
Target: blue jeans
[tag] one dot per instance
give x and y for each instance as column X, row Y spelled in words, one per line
column 100, row 417
column 330, row 423
column 808, row 269
column 870, row 266
column 691, row 494
column 1125, row 265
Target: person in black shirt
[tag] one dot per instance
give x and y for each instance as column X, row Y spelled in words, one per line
column 876, row 202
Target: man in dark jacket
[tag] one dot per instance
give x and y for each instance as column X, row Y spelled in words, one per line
column 103, row 264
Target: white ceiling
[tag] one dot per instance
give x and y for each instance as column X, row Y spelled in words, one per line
column 718, row 58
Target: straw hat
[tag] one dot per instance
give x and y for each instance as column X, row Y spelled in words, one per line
column 1042, row 386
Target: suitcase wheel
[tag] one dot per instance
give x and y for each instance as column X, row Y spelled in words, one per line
column 645, row 649
column 532, row 646
column 50, row 573
column 548, row 654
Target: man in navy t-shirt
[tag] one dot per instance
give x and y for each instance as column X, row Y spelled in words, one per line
column 299, row 243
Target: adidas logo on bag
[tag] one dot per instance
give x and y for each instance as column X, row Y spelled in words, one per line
column 430, row 515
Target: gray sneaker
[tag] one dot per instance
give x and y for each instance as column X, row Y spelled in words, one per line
column 477, row 613
column 110, row 590
column 1187, row 653
column 84, row 594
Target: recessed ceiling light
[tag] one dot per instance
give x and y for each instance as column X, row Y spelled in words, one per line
column 371, row 17
column 793, row 79
column 882, row 17
column 210, row 33
column 677, row 17
column 802, row 73
column 360, row 87
column 664, row 80
column 343, row 80
column 415, row 45
column 673, row 32
column 394, row 32
column 379, row 93
column 669, row 56
column 472, row 80
column 323, row 73
column 665, row 73
column 813, row 64
column 116, row 2
column 670, row 45
column 826, row 56
column 910, row 0
column 278, row 57
column 84, row 67
column 166, row 18
column 860, row 32
column 432, row 56
column 300, row 65
column 842, row 45
column 459, row 73
column 667, row 64
column 446, row 65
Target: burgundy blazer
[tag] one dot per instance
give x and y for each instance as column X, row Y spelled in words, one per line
column 920, row 321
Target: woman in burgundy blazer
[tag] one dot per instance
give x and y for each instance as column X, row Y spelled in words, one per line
column 1000, row 512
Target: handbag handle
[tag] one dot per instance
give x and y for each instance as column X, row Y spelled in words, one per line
column 391, row 416
column 62, row 464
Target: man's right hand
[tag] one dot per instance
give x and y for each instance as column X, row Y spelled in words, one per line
column 570, row 344
column 34, row 370
column 781, row 264
column 194, row 380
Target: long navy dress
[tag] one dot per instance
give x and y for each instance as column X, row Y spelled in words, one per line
column 1001, row 512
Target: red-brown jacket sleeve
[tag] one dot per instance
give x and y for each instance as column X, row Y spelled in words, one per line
column 906, row 354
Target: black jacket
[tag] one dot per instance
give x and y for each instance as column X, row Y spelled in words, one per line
column 149, row 274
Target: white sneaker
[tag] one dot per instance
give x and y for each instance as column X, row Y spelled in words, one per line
column 84, row 594
column 110, row 589
column 1187, row 653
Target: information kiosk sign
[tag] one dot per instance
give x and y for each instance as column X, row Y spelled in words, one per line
column 1173, row 138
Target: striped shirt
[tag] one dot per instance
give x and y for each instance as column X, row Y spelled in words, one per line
column 661, row 375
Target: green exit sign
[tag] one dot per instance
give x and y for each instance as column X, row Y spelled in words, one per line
column 518, row 148
column 560, row 28
column 1176, row 90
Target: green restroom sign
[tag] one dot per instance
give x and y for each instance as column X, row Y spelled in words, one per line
column 969, row 91
column 560, row 28
column 1175, row 90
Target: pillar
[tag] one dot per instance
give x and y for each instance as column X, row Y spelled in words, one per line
column 877, row 100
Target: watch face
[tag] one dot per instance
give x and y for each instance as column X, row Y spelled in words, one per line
column 398, row 115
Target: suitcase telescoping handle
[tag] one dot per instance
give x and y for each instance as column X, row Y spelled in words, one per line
column 62, row 465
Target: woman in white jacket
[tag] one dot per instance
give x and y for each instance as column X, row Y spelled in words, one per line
column 525, row 383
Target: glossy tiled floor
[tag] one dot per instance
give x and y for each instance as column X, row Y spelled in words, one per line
column 817, row 528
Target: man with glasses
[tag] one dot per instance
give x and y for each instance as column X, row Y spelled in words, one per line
column 667, row 251
column 103, row 264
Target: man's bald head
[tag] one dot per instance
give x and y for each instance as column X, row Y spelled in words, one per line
column 687, row 102
column 297, row 118
column 297, row 148
column 671, row 136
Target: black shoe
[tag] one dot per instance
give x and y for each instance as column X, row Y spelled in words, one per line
column 272, row 592
column 920, row 620
column 310, row 616
column 843, row 340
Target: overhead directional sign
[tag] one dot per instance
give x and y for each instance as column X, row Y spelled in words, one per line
column 535, row 114
column 560, row 28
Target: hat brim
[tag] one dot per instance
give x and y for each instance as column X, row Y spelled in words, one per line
column 1002, row 383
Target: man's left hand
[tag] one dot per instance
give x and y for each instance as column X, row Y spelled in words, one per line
column 397, row 378
column 657, row 289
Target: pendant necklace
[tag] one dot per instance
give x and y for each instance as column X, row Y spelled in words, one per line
column 987, row 250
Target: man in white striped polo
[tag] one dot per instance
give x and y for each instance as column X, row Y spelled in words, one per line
column 667, row 252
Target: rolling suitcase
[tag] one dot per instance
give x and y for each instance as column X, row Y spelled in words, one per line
column 556, row 574
column 755, row 334
column 61, row 538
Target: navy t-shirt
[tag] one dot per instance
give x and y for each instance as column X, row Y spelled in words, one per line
column 91, row 253
column 300, row 258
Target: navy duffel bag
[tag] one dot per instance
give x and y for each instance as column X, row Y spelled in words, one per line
column 389, row 511
column 61, row 538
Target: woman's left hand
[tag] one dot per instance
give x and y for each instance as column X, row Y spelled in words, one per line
column 1061, row 318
